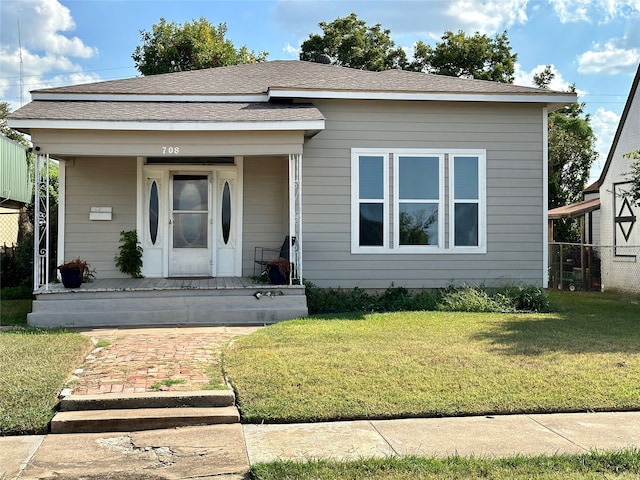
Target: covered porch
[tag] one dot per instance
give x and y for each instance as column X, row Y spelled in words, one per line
column 167, row 301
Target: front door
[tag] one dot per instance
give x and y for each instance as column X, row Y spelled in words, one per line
column 190, row 241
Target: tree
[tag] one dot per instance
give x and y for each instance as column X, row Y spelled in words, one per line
column 171, row 47
column 571, row 155
column 349, row 42
column 4, row 127
column 458, row 55
column 635, row 176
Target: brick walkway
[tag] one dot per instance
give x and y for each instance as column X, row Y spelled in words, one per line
column 150, row 359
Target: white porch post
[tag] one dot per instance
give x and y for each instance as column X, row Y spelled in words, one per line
column 41, row 244
column 295, row 216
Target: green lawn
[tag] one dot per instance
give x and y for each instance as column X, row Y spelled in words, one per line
column 34, row 365
column 594, row 465
column 14, row 312
column 585, row 356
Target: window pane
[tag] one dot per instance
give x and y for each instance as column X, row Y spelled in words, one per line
column 466, row 229
column 371, row 177
column 466, row 178
column 418, row 224
column 226, row 213
column 190, row 192
column 371, row 227
column 153, row 212
column 419, row 178
column 190, row 230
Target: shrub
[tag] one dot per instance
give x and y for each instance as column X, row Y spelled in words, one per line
column 469, row 299
column 527, row 298
column 129, row 258
column 17, row 269
column 460, row 299
column 16, row 293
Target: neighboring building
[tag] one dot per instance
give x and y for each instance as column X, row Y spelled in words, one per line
column 420, row 180
column 15, row 188
column 618, row 214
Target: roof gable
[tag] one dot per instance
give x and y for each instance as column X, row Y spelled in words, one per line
column 623, row 119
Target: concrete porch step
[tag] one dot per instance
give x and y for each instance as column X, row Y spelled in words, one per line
column 136, row 419
column 202, row 399
column 195, row 307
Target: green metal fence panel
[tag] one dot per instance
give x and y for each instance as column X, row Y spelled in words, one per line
column 15, row 185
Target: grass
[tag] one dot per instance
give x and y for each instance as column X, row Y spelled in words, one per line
column 167, row 382
column 593, row 465
column 14, row 312
column 35, row 364
column 585, row 356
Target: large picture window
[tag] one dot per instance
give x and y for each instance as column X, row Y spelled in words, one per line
column 418, row 206
column 412, row 182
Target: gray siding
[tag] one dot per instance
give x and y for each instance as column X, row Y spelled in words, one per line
column 266, row 218
column 99, row 182
column 513, row 138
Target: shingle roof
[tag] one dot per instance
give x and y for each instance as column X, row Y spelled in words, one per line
column 167, row 111
column 250, row 93
column 259, row 78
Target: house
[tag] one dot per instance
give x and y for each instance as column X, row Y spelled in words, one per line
column 577, row 266
column 619, row 229
column 376, row 178
column 15, row 188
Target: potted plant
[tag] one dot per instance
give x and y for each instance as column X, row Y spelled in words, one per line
column 74, row 272
column 278, row 271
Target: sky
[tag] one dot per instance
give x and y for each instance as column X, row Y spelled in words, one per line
column 594, row 44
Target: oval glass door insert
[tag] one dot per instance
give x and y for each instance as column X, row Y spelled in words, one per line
column 226, row 212
column 153, row 212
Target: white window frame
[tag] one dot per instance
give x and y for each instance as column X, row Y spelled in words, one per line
column 356, row 200
column 446, row 202
column 405, row 152
column 481, row 201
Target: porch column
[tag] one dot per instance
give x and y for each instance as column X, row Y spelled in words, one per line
column 41, row 242
column 295, row 216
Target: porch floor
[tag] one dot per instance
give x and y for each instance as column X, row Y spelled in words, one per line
column 167, row 301
column 181, row 283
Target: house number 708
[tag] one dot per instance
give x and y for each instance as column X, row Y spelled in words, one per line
column 170, row 150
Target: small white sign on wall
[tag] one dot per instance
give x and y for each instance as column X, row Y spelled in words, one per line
column 100, row 213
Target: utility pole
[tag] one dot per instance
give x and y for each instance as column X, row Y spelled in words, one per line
column 21, row 67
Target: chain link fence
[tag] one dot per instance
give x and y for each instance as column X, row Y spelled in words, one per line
column 8, row 229
column 594, row 267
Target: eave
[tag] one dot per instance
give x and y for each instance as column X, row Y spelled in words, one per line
column 26, row 125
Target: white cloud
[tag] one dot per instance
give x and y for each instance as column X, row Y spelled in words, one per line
column 43, row 23
column 609, row 59
column 597, row 11
column 524, row 78
column 47, row 52
column 291, row 50
column 604, row 124
column 407, row 19
column 488, row 16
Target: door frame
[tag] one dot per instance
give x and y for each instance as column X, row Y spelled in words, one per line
column 181, row 257
column 156, row 256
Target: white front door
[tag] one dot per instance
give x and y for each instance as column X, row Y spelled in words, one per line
column 190, row 232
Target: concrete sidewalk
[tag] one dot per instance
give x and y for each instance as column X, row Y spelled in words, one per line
column 226, row 451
